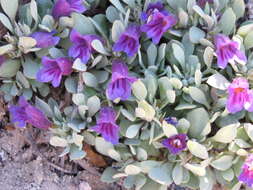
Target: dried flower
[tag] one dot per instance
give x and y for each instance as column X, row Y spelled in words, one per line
column 81, row 47
column 54, row 69
column 246, row 175
column 239, row 96
column 26, row 113
column 106, row 125
column 121, row 82
column 66, row 7
column 128, row 41
column 176, row 143
column 227, row 51
column 158, row 22
column 45, row 39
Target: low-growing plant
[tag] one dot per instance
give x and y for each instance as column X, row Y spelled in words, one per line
column 161, row 87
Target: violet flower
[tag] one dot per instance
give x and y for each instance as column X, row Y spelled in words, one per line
column 227, row 51
column 157, row 6
column 176, row 143
column 171, row 120
column 106, row 125
column 128, row 41
column 45, row 39
column 66, row 7
column 246, row 175
column 202, row 3
column 239, row 96
column 121, row 83
column 81, row 45
column 158, row 22
column 24, row 113
column 2, row 59
column 54, row 69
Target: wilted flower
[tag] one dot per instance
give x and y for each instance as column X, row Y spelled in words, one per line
column 81, row 47
column 246, row 175
column 26, row 113
column 121, row 82
column 202, row 3
column 171, row 120
column 54, row 69
column 66, row 7
column 158, row 22
column 227, row 51
column 176, row 143
column 106, row 125
column 45, row 39
column 239, row 96
column 128, row 41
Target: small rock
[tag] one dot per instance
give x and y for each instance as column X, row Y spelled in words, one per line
column 84, row 186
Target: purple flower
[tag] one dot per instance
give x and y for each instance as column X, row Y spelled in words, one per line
column 202, row 3
column 26, row 113
column 2, row 59
column 158, row 22
column 106, row 125
column 66, row 7
column 176, row 143
column 81, row 47
column 171, row 120
column 152, row 7
column 121, row 82
column 239, row 96
column 54, row 69
column 246, row 175
column 128, row 41
column 227, row 51
column 45, row 39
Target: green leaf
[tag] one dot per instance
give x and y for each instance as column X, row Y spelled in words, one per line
column 10, row 8
column 145, row 111
column 44, row 107
column 227, row 21
column 206, row 182
column 198, row 119
column 133, row 130
column 112, row 14
column 132, row 170
column 71, row 85
column 249, row 130
column 223, row 163
column 226, row 134
column 108, row 174
column 58, row 141
column 114, row 155
column 196, row 169
column 196, row 34
column 177, row 174
column 103, row 146
column 197, row 149
column 142, row 154
column 79, row 65
column 117, row 29
column 208, row 56
column 218, row 81
column 178, row 52
column 93, row 104
column 80, row 21
column 34, row 10
column 198, row 96
column 89, row 79
column 239, row 8
column 99, row 47
column 169, row 130
column 152, row 54
column 9, row 68
column 118, row 5
column 139, row 90
column 6, row 22
column 228, row 174
column 248, row 41
column 161, row 174
column 31, row 68
column 76, row 154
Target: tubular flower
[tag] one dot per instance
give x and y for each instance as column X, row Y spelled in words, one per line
column 246, row 175
column 45, row 39
column 176, row 143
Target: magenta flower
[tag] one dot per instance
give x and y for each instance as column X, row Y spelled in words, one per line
column 239, row 96
column 227, row 51
column 128, row 41
column 176, row 143
column 81, row 47
column 66, row 7
column 158, row 22
column 106, row 125
column 45, row 39
column 246, row 175
column 202, row 3
column 26, row 113
column 54, row 69
column 121, row 83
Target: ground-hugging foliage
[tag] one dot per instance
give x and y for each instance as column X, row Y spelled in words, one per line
column 161, row 87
